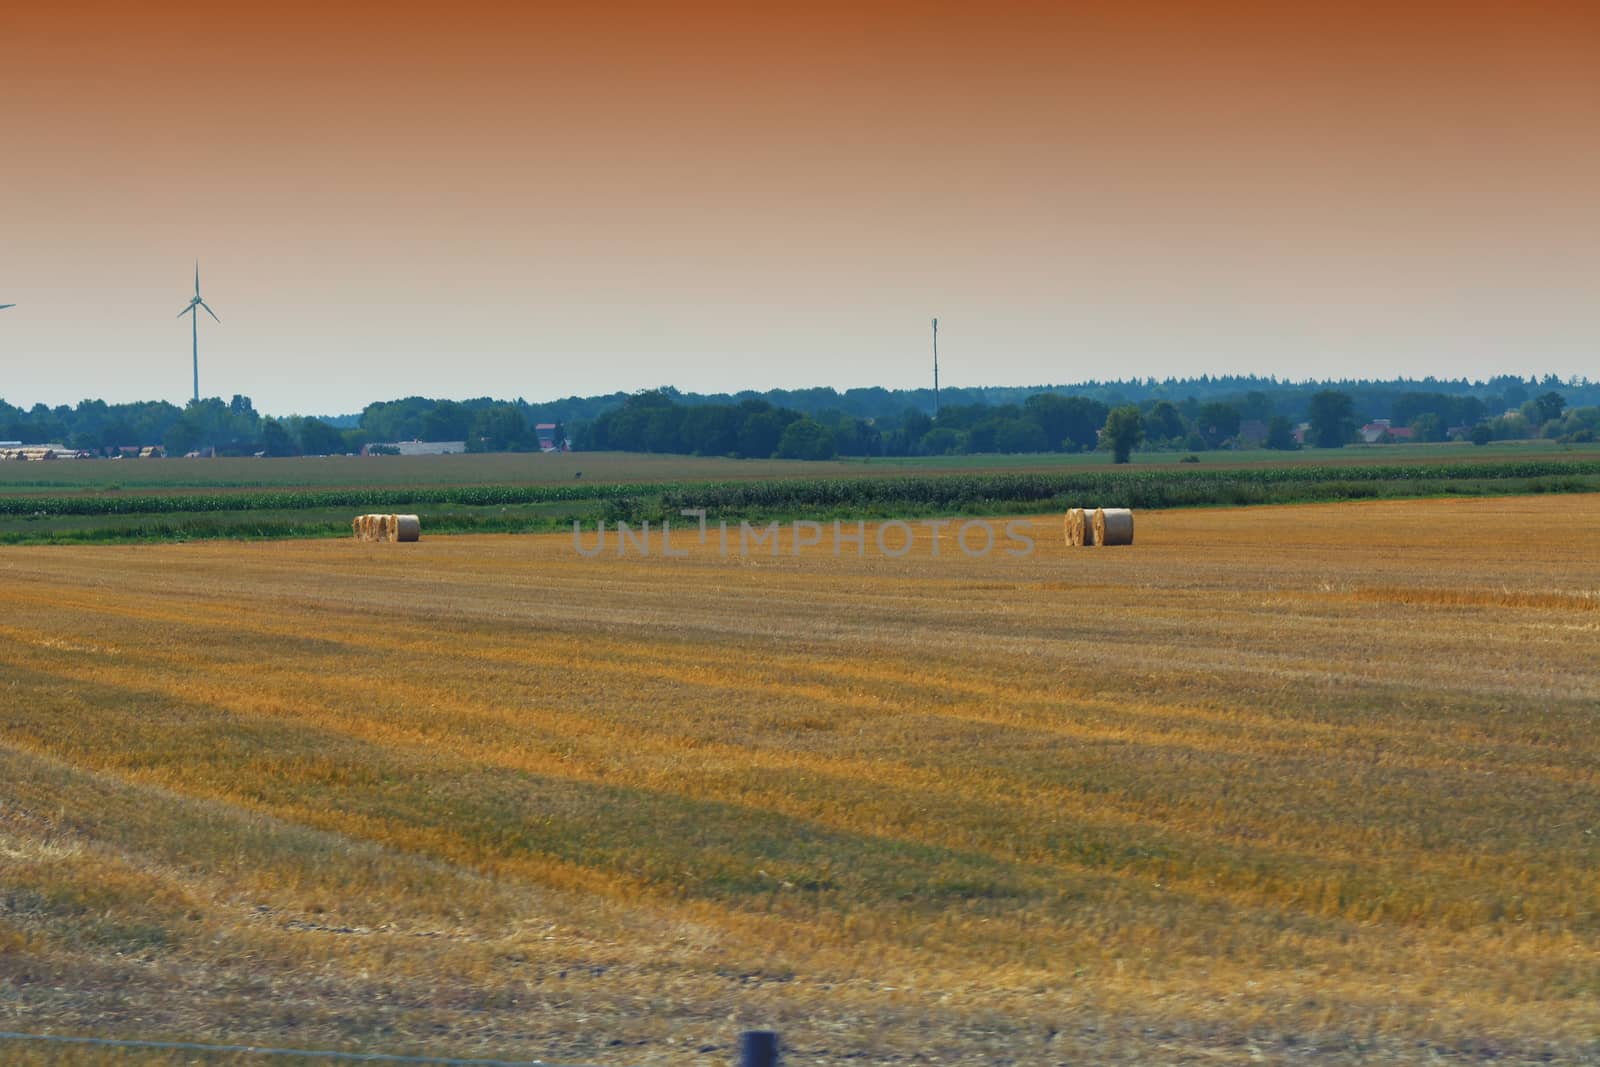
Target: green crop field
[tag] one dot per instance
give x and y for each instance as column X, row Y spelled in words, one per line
column 520, row 493
column 308, row 472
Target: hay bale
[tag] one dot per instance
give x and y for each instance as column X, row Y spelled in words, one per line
column 369, row 527
column 1113, row 526
column 1078, row 527
column 386, row 527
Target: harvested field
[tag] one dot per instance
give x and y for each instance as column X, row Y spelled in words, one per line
column 1310, row 784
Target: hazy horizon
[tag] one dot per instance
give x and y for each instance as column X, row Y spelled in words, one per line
column 564, row 199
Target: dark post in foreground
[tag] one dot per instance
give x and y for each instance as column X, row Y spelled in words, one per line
column 758, row 1048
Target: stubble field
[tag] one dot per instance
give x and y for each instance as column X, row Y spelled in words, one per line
column 1293, row 784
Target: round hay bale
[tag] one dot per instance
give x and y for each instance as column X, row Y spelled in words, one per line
column 407, row 527
column 1113, row 526
column 371, row 527
column 1078, row 528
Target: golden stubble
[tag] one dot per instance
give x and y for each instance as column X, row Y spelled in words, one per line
column 1311, row 773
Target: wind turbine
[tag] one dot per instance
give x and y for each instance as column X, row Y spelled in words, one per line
column 194, row 326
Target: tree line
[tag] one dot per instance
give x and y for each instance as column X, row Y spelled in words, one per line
column 235, row 428
column 823, row 423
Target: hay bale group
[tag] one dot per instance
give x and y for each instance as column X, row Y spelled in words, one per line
column 30, row 453
column 386, row 528
column 1099, row 526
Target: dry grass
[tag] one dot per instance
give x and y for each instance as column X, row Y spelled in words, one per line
column 1314, row 783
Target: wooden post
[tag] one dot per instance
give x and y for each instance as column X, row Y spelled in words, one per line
column 758, row 1048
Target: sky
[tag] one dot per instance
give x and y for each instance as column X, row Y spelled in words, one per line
column 541, row 199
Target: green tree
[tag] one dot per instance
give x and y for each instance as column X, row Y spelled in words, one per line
column 1052, row 415
column 317, row 438
column 448, row 421
column 857, row 437
column 275, row 440
column 711, row 429
column 396, row 420
column 1255, row 405
column 913, row 426
column 941, row 441
column 1124, row 429
column 1333, row 418
column 984, row 436
column 1549, row 406
column 1427, row 427
column 1280, row 434
column 184, row 435
column 1163, row 422
column 759, row 436
column 1020, row 435
column 1217, row 422
column 805, row 439
column 498, row 428
column 1085, row 417
column 117, row 431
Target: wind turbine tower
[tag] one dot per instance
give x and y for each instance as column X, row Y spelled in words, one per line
column 936, row 368
column 194, row 326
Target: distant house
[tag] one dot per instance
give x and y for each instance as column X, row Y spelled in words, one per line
column 418, row 448
column 547, row 437
column 1252, row 433
column 1381, row 431
column 1300, row 432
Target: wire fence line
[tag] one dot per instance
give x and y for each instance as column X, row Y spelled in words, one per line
column 757, row 1048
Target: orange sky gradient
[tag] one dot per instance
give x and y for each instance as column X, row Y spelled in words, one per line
column 544, row 199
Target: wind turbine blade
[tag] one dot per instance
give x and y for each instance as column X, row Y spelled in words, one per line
column 197, row 279
column 185, row 311
column 207, row 306
column 4, row 306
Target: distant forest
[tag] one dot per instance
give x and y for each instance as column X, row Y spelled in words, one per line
column 1191, row 414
